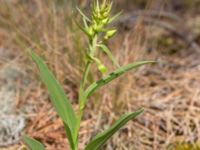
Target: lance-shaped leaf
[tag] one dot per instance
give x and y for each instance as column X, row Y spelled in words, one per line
column 112, row 76
column 114, row 17
column 70, row 137
column 109, row 54
column 33, row 144
column 84, row 30
column 83, row 15
column 103, row 137
column 57, row 95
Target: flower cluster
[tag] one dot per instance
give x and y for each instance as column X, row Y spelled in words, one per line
column 100, row 19
column 97, row 31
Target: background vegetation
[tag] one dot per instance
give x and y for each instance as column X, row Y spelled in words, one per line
column 167, row 31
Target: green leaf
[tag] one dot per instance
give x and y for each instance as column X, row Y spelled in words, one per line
column 112, row 76
column 101, row 138
column 81, row 28
column 85, row 23
column 33, row 144
column 70, row 136
column 57, row 95
column 109, row 54
column 114, row 17
column 83, row 15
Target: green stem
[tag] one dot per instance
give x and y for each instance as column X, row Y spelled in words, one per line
column 81, row 96
column 92, row 48
column 85, row 75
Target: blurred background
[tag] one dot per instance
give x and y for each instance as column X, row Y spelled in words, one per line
column 164, row 30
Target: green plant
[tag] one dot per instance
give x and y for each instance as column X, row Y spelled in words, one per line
column 97, row 33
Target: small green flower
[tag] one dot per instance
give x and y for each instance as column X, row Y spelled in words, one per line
column 102, row 68
column 109, row 34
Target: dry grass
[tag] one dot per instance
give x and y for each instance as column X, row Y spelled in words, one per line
column 168, row 91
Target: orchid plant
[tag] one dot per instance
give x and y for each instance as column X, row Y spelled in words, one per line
column 98, row 33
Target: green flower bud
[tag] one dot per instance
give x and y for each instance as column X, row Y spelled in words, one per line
column 90, row 31
column 105, row 21
column 102, row 68
column 105, row 14
column 109, row 34
column 97, row 28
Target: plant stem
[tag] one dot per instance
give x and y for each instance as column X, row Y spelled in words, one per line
column 81, row 106
column 92, row 48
